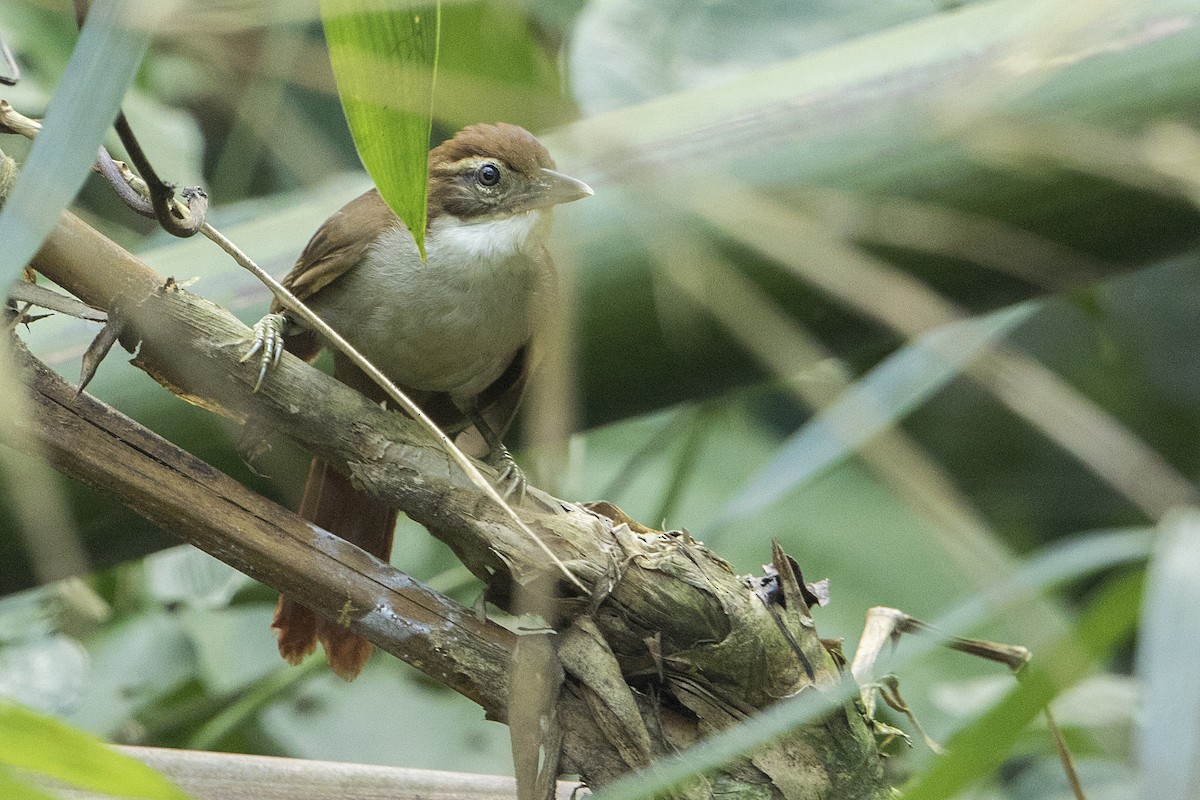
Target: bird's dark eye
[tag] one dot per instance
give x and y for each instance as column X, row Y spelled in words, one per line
column 488, row 174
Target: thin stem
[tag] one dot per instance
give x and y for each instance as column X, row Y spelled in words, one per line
column 1064, row 755
column 684, row 464
column 18, row 123
column 110, row 170
column 162, row 195
column 294, row 304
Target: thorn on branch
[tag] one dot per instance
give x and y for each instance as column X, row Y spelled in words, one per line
column 51, row 300
column 30, row 294
column 97, row 350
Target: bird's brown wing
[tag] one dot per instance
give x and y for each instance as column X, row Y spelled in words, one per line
column 335, row 248
column 338, row 245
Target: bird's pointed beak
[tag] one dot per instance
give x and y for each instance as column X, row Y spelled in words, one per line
column 555, row 188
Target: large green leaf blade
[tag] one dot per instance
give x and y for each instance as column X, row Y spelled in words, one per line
column 46, row 746
column 384, row 55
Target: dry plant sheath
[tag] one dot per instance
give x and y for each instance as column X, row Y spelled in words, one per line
column 670, row 645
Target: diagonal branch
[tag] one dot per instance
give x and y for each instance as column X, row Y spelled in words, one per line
column 97, row 445
column 193, row 348
column 669, row 643
column 133, row 189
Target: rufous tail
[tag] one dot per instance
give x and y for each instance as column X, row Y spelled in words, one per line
column 332, row 503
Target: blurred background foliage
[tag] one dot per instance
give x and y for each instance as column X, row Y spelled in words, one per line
column 788, row 195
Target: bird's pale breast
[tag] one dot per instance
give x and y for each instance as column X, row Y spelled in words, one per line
column 451, row 324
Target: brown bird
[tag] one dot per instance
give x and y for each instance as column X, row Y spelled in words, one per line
column 454, row 332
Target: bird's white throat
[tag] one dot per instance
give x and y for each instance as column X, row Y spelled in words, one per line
column 457, row 241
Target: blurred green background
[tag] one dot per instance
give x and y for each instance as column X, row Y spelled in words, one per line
column 787, row 194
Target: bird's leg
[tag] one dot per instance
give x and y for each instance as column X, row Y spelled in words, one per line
column 512, row 480
column 268, row 342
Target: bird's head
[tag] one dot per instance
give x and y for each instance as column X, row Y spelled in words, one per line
column 492, row 172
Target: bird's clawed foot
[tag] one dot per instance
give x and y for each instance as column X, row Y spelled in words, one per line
column 267, row 341
column 511, row 482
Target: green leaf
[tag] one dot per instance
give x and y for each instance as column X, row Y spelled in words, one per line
column 492, row 64
column 1167, row 653
column 881, row 398
column 13, row 789
column 979, row 749
column 101, row 68
column 44, row 745
column 384, row 57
